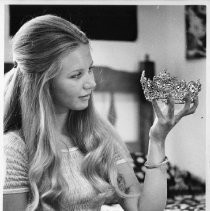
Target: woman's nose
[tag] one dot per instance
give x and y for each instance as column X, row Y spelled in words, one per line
column 90, row 82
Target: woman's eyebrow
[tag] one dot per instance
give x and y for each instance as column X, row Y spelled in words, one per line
column 81, row 69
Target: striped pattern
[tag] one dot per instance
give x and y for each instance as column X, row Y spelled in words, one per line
column 16, row 175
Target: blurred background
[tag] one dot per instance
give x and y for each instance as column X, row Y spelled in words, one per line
column 124, row 41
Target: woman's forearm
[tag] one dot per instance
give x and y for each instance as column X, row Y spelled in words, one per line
column 154, row 193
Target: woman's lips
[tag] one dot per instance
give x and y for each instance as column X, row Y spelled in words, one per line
column 85, row 97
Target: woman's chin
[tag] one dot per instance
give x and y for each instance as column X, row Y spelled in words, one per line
column 81, row 107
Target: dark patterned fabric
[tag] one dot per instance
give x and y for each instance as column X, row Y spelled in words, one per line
column 138, row 165
column 186, row 202
column 183, row 182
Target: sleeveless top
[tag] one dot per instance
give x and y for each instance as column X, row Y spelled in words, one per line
column 81, row 194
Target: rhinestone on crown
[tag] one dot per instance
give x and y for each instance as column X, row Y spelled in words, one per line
column 163, row 84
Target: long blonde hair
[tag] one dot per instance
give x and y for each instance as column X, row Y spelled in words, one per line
column 38, row 49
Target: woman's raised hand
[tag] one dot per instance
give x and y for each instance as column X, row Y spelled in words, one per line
column 166, row 119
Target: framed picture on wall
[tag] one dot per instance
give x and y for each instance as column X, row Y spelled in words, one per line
column 195, row 17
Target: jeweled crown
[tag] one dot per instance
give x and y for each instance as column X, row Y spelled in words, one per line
column 163, row 84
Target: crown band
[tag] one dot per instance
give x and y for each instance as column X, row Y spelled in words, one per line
column 164, row 85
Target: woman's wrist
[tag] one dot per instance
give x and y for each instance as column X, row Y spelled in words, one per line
column 164, row 162
column 157, row 137
column 156, row 151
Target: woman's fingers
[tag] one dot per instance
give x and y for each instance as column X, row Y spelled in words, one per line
column 194, row 106
column 168, row 112
column 169, row 116
column 187, row 110
column 157, row 109
column 170, row 103
column 186, row 107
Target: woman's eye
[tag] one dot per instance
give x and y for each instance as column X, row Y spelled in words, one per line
column 91, row 69
column 76, row 75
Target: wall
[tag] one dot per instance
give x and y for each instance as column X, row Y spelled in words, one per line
column 162, row 35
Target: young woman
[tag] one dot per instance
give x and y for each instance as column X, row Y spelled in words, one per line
column 60, row 154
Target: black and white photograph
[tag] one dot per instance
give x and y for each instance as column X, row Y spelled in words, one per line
column 105, row 106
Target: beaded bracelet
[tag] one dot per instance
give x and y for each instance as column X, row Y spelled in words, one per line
column 149, row 166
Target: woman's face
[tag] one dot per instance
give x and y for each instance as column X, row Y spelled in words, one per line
column 73, row 86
